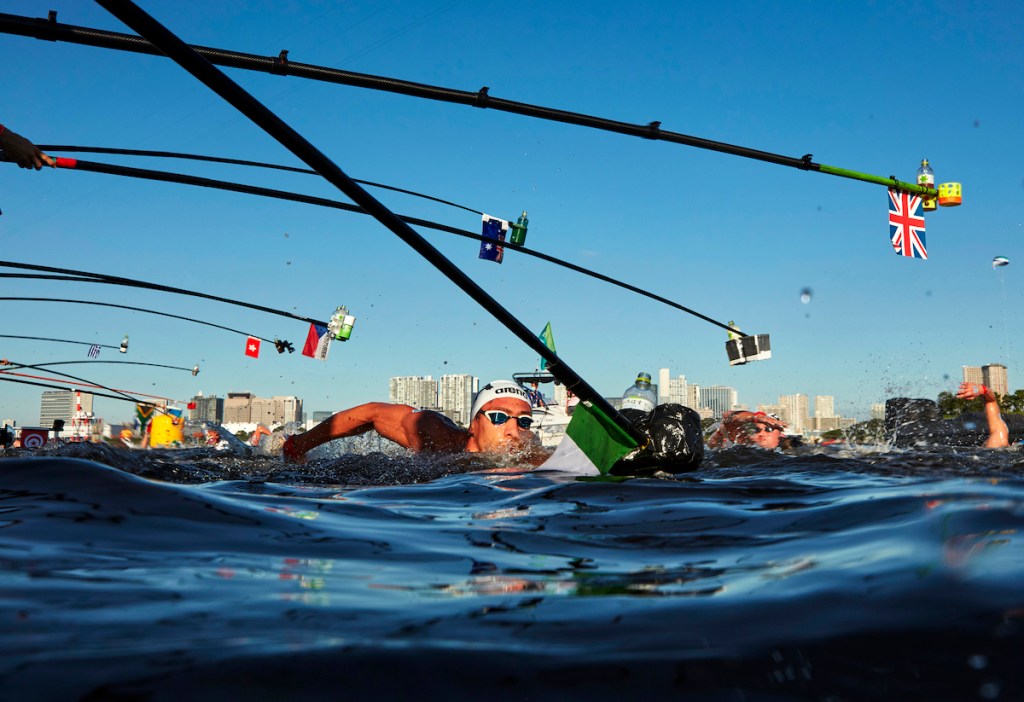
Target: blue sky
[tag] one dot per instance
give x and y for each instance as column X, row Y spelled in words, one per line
column 872, row 87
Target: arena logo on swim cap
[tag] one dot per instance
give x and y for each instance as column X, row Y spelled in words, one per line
column 495, row 390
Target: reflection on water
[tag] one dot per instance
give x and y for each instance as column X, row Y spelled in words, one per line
column 841, row 574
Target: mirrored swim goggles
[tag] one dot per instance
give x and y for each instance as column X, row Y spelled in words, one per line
column 754, row 428
column 498, row 418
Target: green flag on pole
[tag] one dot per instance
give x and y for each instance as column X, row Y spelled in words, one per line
column 548, row 337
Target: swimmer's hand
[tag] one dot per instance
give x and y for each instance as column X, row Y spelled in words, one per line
column 22, row 151
column 969, row 391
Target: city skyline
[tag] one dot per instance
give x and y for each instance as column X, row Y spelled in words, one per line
column 802, row 255
column 995, row 375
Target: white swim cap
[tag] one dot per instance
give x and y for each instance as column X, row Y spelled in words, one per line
column 497, row 389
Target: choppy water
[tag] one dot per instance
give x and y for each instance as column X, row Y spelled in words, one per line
column 847, row 574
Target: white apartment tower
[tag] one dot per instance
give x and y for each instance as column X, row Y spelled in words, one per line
column 455, row 396
column 413, row 390
column 824, row 406
column 993, row 375
column 996, row 378
column 794, row 409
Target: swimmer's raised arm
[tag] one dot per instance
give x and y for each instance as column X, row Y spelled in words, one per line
column 998, row 434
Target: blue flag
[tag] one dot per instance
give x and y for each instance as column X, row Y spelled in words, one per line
column 494, row 230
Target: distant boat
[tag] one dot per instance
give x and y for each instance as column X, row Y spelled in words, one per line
column 549, row 419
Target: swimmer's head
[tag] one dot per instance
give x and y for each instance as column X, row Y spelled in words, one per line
column 501, row 417
column 498, row 390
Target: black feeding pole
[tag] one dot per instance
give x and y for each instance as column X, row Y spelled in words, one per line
column 175, row 49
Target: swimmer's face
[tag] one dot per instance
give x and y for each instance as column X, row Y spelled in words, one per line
column 763, row 435
column 508, row 435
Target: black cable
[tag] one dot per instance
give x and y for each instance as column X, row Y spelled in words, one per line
column 51, row 30
column 61, row 341
column 3, row 369
column 71, row 389
column 168, row 177
column 36, row 276
column 133, row 309
column 259, row 114
column 238, row 162
column 91, row 362
column 86, row 277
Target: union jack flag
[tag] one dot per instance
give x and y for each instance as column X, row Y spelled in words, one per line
column 906, row 225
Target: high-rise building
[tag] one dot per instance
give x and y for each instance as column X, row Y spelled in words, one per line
column 719, row 399
column 209, row 408
column 994, row 375
column 692, row 396
column 973, row 374
column 61, row 404
column 878, row 410
column 794, row 411
column 455, row 396
column 246, row 408
column 824, row 406
column 238, row 408
column 287, row 408
column 413, row 390
column 675, row 390
column 663, row 386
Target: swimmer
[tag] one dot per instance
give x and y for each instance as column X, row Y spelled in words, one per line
column 747, row 428
column 998, row 434
column 500, row 423
column 22, row 151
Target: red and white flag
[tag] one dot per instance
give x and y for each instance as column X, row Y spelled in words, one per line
column 34, row 438
column 252, row 347
column 318, row 342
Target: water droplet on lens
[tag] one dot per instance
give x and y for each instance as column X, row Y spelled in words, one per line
column 945, row 376
column 805, row 295
column 977, row 661
column 289, row 263
column 970, row 426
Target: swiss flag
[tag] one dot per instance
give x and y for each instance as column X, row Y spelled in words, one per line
column 252, row 347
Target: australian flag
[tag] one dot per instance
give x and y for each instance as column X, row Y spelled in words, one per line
column 906, row 225
column 491, row 248
column 94, row 351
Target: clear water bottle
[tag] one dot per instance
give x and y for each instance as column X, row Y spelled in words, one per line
column 926, row 177
column 640, row 395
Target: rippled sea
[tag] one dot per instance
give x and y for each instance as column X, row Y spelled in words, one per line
column 846, row 573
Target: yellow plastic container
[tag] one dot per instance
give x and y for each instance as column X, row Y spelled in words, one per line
column 950, row 194
column 166, row 431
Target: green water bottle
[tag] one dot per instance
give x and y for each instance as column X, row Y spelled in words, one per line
column 519, row 230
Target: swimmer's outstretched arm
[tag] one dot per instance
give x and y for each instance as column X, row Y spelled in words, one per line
column 998, row 434
column 382, row 417
column 419, row 431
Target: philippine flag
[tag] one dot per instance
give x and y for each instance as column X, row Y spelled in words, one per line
column 252, row 347
column 318, row 342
